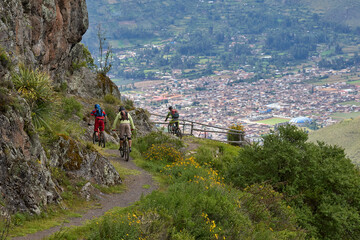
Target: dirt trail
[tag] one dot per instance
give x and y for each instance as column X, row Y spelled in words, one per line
column 134, row 184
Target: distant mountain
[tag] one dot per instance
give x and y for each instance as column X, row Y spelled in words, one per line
column 223, row 34
column 341, row 11
column 345, row 134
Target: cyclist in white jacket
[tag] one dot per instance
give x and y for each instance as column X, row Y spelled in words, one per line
column 126, row 125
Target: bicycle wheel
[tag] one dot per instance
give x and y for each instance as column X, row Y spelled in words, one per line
column 178, row 133
column 94, row 138
column 102, row 139
column 121, row 152
column 126, row 150
column 169, row 128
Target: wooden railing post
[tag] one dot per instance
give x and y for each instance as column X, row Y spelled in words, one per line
column 191, row 130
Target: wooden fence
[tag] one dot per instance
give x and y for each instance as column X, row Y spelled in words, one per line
column 200, row 129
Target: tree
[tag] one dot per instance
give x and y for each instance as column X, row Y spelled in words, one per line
column 105, row 67
column 317, row 180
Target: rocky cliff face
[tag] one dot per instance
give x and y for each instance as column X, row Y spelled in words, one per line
column 44, row 34
column 25, row 180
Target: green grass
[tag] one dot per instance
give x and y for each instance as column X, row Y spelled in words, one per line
column 273, row 121
column 351, row 103
column 345, row 134
column 123, row 171
column 110, row 189
column 327, row 53
column 55, row 216
column 204, row 60
column 344, row 116
column 356, row 82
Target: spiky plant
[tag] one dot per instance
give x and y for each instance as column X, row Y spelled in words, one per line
column 35, row 87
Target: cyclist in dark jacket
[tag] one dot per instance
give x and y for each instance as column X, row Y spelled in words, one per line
column 173, row 113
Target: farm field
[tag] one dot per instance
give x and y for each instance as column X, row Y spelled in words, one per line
column 344, row 116
column 273, row 121
column 351, row 103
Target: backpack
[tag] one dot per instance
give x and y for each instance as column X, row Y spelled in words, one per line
column 124, row 117
column 99, row 112
column 174, row 113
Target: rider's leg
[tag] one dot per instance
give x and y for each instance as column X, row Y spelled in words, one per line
column 128, row 133
column 96, row 128
column 122, row 131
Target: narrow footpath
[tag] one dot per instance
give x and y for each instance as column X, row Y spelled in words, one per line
column 134, row 190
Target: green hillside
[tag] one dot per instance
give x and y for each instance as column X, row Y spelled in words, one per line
column 345, row 134
column 344, row 11
column 199, row 37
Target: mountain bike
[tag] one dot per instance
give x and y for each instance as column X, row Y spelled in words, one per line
column 124, row 150
column 101, row 139
column 174, row 129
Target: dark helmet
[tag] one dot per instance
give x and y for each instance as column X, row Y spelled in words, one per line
column 97, row 106
column 121, row 109
column 170, row 108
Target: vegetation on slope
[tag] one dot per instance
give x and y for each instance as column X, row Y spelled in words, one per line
column 317, row 180
column 285, row 189
column 345, row 134
column 344, row 11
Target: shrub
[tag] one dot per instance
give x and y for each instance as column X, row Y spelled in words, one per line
column 75, row 66
column 315, row 178
column 111, row 99
column 163, row 153
column 234, row 136
column 6, row 100
column 35, row 87
column 129, row 104
column 117, row 228
column 71, row 106
column 266, row 205
column 4, row 59
column 154, row 138
column 111, row 112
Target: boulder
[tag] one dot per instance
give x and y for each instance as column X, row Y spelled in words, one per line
column 82, row 162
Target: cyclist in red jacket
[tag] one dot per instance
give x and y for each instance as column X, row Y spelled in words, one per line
column 100, row 119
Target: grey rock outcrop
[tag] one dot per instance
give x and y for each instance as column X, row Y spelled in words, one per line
column 25, row 180
column 43, row 33
column 82, row 162
column 46, row 35
column 142, row 122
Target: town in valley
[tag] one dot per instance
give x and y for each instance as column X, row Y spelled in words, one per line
column 226, row 98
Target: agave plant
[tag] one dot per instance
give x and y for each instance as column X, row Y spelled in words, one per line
column 35, row 87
